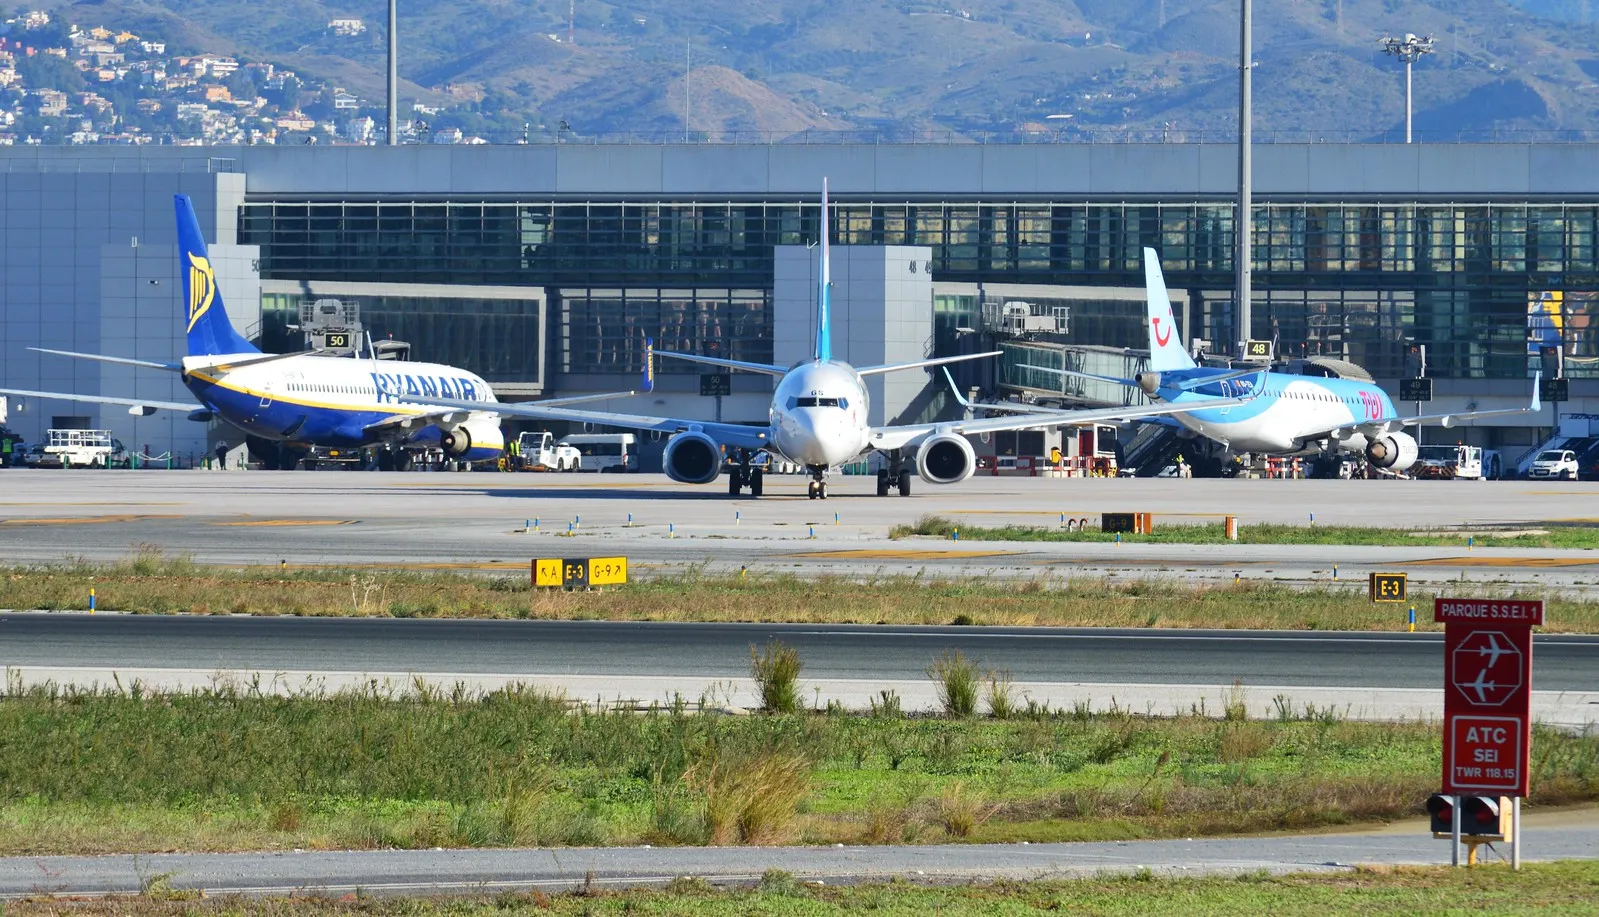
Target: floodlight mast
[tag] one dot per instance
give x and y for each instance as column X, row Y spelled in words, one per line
column 1408, row 49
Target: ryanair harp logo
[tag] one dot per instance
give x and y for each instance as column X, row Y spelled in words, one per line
column 202, row 288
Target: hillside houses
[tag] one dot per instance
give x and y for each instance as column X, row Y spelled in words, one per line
column 138, row 92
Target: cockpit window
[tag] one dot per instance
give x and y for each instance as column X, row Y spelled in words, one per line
column 812, row 402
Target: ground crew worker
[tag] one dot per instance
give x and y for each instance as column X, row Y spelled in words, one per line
column 5, row 452
column 1182, row 466
column 1054, row 456
column 222, row 454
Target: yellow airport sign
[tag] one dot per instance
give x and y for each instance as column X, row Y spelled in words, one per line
column 1388, row 587
column 579, row 573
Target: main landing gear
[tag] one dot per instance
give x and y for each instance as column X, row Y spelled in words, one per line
column 744, row 473
column 817, row 488
column 896, row 476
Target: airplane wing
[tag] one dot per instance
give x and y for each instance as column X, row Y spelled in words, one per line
column 102, row 399
column 920, row 364
column 727, row 434
column 899, row 437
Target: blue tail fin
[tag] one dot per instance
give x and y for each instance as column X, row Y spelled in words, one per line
column 209, row 330
column 824, row 330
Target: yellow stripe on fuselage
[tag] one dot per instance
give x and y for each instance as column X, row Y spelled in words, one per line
column 375, row 408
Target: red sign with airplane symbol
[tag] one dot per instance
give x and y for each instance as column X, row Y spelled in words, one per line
column 1487, row 693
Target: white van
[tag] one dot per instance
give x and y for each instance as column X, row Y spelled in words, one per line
column 616, row 452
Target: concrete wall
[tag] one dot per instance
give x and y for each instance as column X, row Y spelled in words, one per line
column 88, row 263
column 1173, row 171
column 882, row 312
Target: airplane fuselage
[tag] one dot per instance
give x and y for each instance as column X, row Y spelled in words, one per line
column 818, row 414
column 333, row 401
column 1289, row 417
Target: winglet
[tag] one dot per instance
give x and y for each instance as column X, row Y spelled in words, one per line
column 649, row 365
column 956, row 389
column 824, row 331
column 1537, row 383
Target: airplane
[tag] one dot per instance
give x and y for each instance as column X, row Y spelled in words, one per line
column 1294, row 415
column 1493, row 650
column 1481, row 686
column 309, row 398
column 817, row 419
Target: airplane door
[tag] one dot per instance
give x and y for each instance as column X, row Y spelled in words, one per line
column 266, row 394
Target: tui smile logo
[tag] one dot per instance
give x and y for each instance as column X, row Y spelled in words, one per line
column 1160, row 339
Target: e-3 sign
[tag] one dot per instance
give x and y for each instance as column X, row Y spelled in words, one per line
column 1388, row 587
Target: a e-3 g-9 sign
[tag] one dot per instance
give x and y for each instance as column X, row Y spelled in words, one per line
column 580, row 573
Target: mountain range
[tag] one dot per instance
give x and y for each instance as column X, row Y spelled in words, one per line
column 768, row 69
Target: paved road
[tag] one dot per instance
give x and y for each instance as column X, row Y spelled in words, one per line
column 471, row 519
column 468, row 871
column 626, row 649
column 1364, row 675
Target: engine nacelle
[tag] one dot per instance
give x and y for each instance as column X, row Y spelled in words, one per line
column 458, row 440
column 1396, row 451
column 1149, row 382
column 692, row 458
column 946, row 459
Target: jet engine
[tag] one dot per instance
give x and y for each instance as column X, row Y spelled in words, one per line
column 946, row 459
column 456, row 441
column 692, row 458
column 1396, row 451
column 1149, row 382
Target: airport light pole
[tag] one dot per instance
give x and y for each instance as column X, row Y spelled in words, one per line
column 1408, row 49
column 1244, row 224
column 394, row 73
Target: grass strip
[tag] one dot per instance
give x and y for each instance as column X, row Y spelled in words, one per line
column 154, row 584
column 124, row 771
column 1559, row 888
column 1585, row 537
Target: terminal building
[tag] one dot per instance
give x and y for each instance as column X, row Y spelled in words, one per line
column 544, row 267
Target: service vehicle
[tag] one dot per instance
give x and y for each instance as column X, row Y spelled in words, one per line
column 541, row 452
column 1558, row 464
column 1447, row 463
column 80, row 448
column 604, row 451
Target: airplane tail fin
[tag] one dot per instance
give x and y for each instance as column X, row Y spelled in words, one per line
column 1166, row 351
column 824, row 331
column 209, row 331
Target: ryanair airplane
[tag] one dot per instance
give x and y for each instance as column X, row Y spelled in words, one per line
column 311, row 398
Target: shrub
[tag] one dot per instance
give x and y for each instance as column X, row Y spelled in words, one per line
column 776, row 672
column 886, row 704
column 752, row 801
column 1001, row 696
column 960, row 812
column 956, row 678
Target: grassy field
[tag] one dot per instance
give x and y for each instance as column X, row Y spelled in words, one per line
column 1584, row 537
column 152, row 584
column 1539, row 889
column 85, row 772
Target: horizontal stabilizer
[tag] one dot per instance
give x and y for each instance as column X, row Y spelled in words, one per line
column 921, row 364
column 103, row 358
column 768, row 369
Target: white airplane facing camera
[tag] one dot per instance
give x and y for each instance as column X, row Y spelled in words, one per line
column 1291, row 415
column 817, row 419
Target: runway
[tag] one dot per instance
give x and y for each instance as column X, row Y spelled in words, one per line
column 500, row 521
column 396, row 872
column 1373, row 675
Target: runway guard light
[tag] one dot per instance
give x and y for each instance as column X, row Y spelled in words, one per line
column 1441, row 809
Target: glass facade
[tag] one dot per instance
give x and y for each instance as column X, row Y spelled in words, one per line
column 497, row 338
column 1481, row 284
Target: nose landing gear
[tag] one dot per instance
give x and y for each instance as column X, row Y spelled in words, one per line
column 817, row 488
